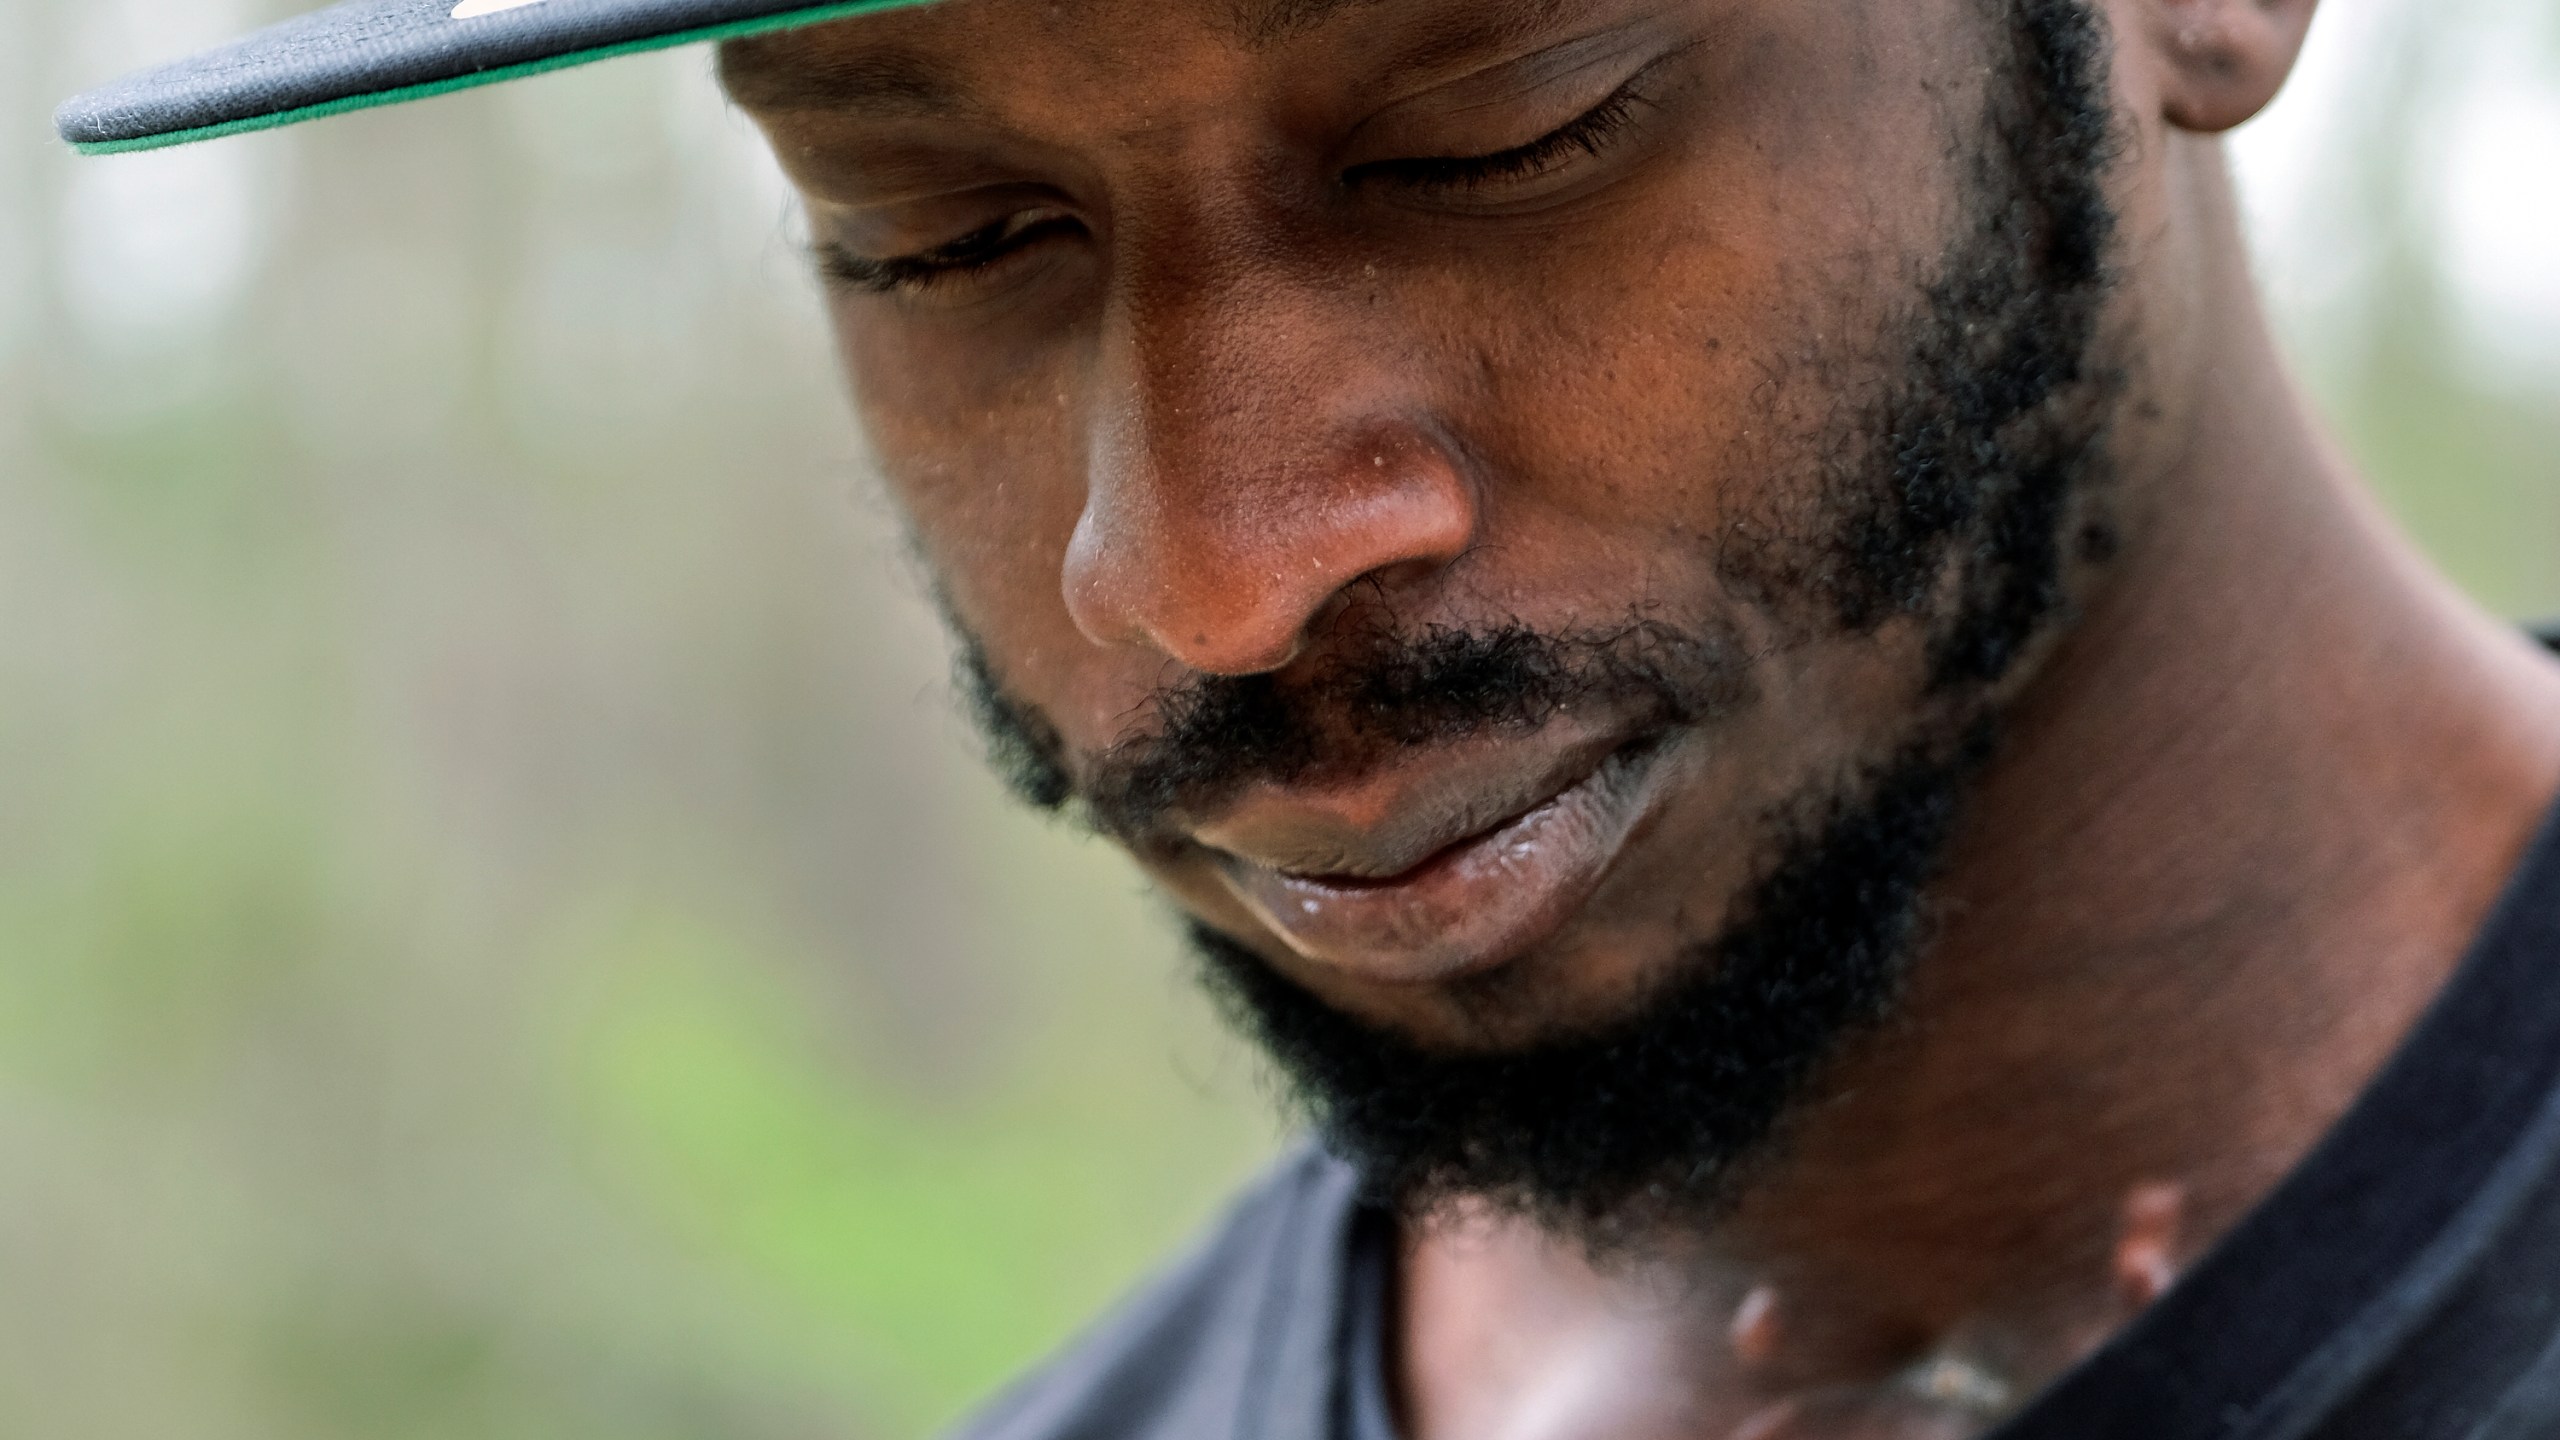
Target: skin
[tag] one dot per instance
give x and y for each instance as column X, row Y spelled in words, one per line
column 2253, row 799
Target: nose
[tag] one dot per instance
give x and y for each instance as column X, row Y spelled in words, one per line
column 1253, row 458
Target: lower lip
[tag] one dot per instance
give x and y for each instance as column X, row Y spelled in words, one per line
column 1471, row 907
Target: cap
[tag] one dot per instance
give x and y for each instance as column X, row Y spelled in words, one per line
column 363, row 53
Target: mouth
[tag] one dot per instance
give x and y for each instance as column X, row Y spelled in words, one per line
column 1445, row 881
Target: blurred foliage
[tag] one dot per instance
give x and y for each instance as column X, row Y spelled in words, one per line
column 499, row 933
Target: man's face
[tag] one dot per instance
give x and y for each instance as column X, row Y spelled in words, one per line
column 1518, row 515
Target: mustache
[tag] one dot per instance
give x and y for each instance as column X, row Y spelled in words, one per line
column 1372, row 695
column 1374, row 692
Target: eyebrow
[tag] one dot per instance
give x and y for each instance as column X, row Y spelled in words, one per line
column 1268, row 22
column 883, row 84
column 1264, row 23
column 901, row 84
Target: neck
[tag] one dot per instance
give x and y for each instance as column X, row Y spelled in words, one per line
column 2244, row 824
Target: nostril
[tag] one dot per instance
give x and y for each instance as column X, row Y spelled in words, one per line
column 1209, row 657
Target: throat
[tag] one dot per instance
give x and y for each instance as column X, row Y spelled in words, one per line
column 1503, row 1329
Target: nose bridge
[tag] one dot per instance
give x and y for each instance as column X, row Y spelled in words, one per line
column 1205, row 357
column 1253, row 452
column 1225, row 411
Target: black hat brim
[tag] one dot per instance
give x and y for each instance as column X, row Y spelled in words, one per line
column 363, row 53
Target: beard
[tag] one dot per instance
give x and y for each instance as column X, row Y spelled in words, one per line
column 1654, row 1120
column 1964, row 501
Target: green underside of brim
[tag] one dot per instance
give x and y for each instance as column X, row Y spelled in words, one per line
column 732, row 30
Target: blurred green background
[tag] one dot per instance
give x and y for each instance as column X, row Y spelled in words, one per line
column 500, row 935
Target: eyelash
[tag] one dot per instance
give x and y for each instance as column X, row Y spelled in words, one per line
column 978, row 250
column 1588, row 133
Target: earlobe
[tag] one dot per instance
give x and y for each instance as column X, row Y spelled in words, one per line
column 2221, row 61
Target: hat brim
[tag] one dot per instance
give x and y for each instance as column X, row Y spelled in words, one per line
column 365, row 53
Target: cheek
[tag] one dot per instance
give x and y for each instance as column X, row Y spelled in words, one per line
column 1696, row 353
column 1653, row 397
column 980, row 447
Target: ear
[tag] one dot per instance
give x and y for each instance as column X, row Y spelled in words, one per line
column 2220, row 61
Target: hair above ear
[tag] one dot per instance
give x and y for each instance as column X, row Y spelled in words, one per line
column 2221, row 61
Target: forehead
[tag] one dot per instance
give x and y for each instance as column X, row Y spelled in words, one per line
column 955, row 57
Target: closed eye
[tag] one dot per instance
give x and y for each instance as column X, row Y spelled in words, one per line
column 979, row 252
column 1586, row 136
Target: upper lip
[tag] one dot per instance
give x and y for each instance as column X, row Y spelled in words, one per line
column 1388, row 821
